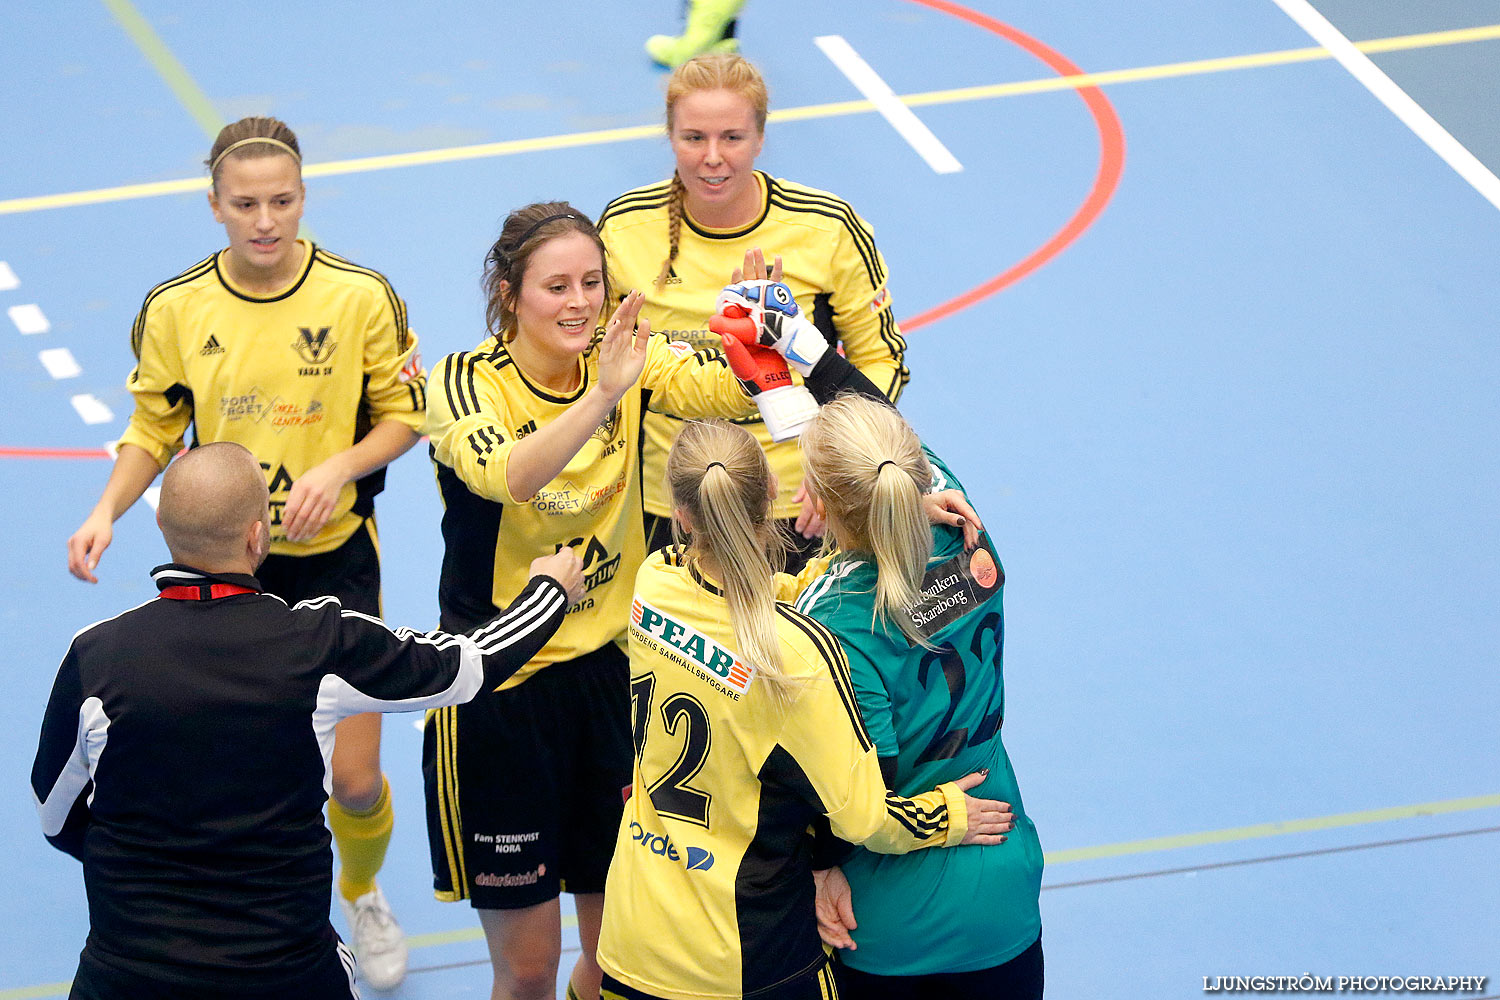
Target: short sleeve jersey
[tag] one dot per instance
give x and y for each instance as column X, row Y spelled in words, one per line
column 938, row 713
column 830, row 263
column 710, row 891
column 295, row 377
column 483, row 404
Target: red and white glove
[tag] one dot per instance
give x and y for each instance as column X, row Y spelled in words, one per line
column 785, row 407
column 778, row 321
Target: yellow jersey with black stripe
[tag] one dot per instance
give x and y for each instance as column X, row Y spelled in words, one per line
column 481, row 405
column 295, row 376
column 829, row 261
column 710, row 891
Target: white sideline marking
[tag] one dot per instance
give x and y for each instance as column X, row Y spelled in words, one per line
column 92, row 410
column 29, row 318
column 879, row 93
column 60, row 363
column 1394, row 98
column 8, row 279
column 152, row 496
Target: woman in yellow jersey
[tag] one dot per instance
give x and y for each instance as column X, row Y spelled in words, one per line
column 305, row 359
column 680, row 240
column 746, row 733
column 535, row 437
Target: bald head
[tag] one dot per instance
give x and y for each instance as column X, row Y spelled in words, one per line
column 211, row 499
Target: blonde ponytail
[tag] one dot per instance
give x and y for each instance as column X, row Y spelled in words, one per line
column 719, row 476
column 867, row 466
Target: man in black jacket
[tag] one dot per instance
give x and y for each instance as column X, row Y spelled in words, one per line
column 184, row 755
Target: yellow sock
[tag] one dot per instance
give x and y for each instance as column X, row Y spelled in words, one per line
column 361, row 838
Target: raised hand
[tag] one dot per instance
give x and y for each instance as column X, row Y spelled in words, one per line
column 755, row 268
column 622, row 352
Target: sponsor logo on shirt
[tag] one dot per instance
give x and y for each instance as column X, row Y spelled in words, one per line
column 211, row 346
column 956, row 587
column 709, row 659
column 694, row 859
column 510, row 881
column 248, row 405
column 878, row 302
column 525, row 429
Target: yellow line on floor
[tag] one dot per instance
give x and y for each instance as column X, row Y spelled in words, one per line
column 1269, row 829
column 512, row 147
column 167, row 66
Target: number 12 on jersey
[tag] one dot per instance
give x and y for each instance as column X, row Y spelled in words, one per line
column 683, row 716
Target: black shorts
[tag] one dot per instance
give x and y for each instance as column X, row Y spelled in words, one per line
column 331, row 979
column 525, row 787
column 1021, row 978
column 350, row 572
column 798, row 549
column 821, row 983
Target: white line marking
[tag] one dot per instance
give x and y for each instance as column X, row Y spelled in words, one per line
column 29, row 318
column 420, row 723
column 879, row 93
column 8, row 279
column 1394, row 98
column 60, row 363
column 91, row 410
column 152, row 496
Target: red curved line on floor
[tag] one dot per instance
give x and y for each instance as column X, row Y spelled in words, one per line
column 1106, row 179
column 53, row 452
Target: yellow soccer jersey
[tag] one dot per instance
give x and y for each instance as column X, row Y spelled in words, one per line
column 481, row 405
column 710, row 891
column 830, row 263
column 295, row 377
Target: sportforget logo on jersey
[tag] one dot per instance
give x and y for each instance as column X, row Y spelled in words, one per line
column 694, row 859
column 705, row 657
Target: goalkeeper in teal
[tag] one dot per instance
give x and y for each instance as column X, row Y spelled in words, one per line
column 919, row 613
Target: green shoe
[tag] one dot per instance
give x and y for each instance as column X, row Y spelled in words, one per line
column 709, row 28
column 668, row 50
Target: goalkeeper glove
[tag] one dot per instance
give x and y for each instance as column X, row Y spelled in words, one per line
column 778, row 321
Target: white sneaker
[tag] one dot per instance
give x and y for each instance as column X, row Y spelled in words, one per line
column 379, row 944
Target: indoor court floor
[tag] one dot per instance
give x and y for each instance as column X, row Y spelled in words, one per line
column 1201, row 302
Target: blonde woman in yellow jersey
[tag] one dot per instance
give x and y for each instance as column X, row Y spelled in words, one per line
column 680, row 240
column 305, row 359
column 746, row 733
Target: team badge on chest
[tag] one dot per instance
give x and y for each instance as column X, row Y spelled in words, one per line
column 315, row 347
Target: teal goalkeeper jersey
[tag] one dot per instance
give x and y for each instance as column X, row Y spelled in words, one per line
column 939, row 714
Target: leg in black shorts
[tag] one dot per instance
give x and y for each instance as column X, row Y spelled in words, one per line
column 524, row 786
column 1019, row 979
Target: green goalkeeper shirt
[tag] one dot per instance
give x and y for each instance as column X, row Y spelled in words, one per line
column 938, row 714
